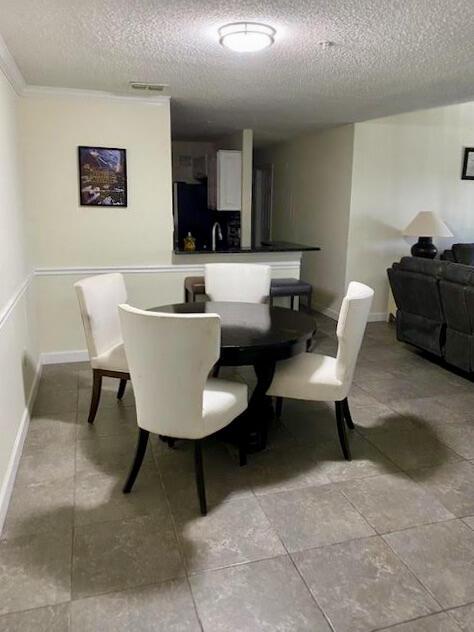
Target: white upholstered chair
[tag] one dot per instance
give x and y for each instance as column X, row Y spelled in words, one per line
column 243, row 282
column 170, row 356
column 99, row 297
column 315, row 377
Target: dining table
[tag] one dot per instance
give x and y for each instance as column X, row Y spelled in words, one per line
column 257, row 335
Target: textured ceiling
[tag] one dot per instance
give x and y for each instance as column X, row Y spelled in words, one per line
column 389, row 56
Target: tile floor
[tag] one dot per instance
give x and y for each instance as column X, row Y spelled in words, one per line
column 299, row 540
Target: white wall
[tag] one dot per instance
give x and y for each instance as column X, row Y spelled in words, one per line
column 311, row 202
column 243, row 141
column 18, row 356
column 404, row 164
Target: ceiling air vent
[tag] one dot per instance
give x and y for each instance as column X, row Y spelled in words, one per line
column 152, row 87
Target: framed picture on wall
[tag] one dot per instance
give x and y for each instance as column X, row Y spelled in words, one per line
column 102, row 176
column 468, row 164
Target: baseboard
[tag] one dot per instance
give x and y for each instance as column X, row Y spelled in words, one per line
column 378, row 317
column 327, row 311
column 9, row 480
column 374, row 317
column 64, row 357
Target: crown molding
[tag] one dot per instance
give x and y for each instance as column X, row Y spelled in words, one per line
column 10, row 69
column 40, row 91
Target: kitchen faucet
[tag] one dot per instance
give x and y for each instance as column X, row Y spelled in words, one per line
column 216, row 228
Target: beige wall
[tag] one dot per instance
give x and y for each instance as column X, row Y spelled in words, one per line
column 62, row 234
column 311, row 201
column 404, row 164
column 18, row 356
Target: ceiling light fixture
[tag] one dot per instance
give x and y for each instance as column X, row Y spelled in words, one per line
column 246, row 37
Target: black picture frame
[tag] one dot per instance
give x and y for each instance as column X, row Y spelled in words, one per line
column 468, row 164
column 102, row 176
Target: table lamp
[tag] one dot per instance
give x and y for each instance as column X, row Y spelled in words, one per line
column 425, row 226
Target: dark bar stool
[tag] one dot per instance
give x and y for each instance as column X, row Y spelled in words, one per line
column 193, row 286
column 291, row 288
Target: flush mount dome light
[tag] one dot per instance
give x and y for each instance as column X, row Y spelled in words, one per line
column 246, row 37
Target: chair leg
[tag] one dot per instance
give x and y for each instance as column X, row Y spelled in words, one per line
column 138, row 460
column 347, row 414
column 310, row 300
column 243, row 439
column 121, row 389
column 341, row 429
column 278, row 407
column 292, row 302
column 215, row 370
column 200, row 476
column 96, row 389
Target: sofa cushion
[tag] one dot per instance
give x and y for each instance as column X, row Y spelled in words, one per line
column 430, row 267
column 420, row 331
column 463, row 253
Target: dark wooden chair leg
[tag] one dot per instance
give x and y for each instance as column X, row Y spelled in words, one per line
column 170, row 441
column 278, row 407
column 347, row 414
column 200, row 476
column 215, row 370
column 292, row 302
column 121, row 389
column 138, row 460
column 96, row 389
column 243, row 439
column 341, row 429
column 310, row 300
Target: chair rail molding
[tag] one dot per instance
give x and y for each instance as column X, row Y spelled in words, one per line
column 12, row 302
column 197, row 268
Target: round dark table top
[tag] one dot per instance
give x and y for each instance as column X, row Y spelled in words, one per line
column 253, row 332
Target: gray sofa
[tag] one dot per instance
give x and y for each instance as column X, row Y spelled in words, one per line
column 435, row 308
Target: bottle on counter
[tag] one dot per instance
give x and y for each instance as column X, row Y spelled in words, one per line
column 189, row 242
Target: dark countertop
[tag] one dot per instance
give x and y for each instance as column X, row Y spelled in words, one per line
column 267, row 246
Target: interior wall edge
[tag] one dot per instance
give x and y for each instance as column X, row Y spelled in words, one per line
column 6, row 487
column 10, row 69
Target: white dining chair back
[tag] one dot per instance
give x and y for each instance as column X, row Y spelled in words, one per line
column 239, row 282
column 317, row 377
column 350, row 330
column 170, row 356
column 99, row 297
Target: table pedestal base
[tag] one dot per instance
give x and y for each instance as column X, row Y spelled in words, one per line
column 254, row 421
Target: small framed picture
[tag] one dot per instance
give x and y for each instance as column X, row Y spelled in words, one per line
column 102, row 176
column 468, row 164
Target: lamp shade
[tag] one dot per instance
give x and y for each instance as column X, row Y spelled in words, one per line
column 427, row 224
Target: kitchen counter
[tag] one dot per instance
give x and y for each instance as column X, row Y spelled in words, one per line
column 267, row 246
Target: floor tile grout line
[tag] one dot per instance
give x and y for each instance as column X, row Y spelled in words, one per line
column 389, row 628
column 310, row 592
column 288, row 554
column 73, row 542
column 178, row 540
column 422, row 584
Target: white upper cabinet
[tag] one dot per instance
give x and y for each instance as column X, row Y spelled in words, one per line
column 229, row 180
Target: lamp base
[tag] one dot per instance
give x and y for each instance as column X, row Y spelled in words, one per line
column 424, row 247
